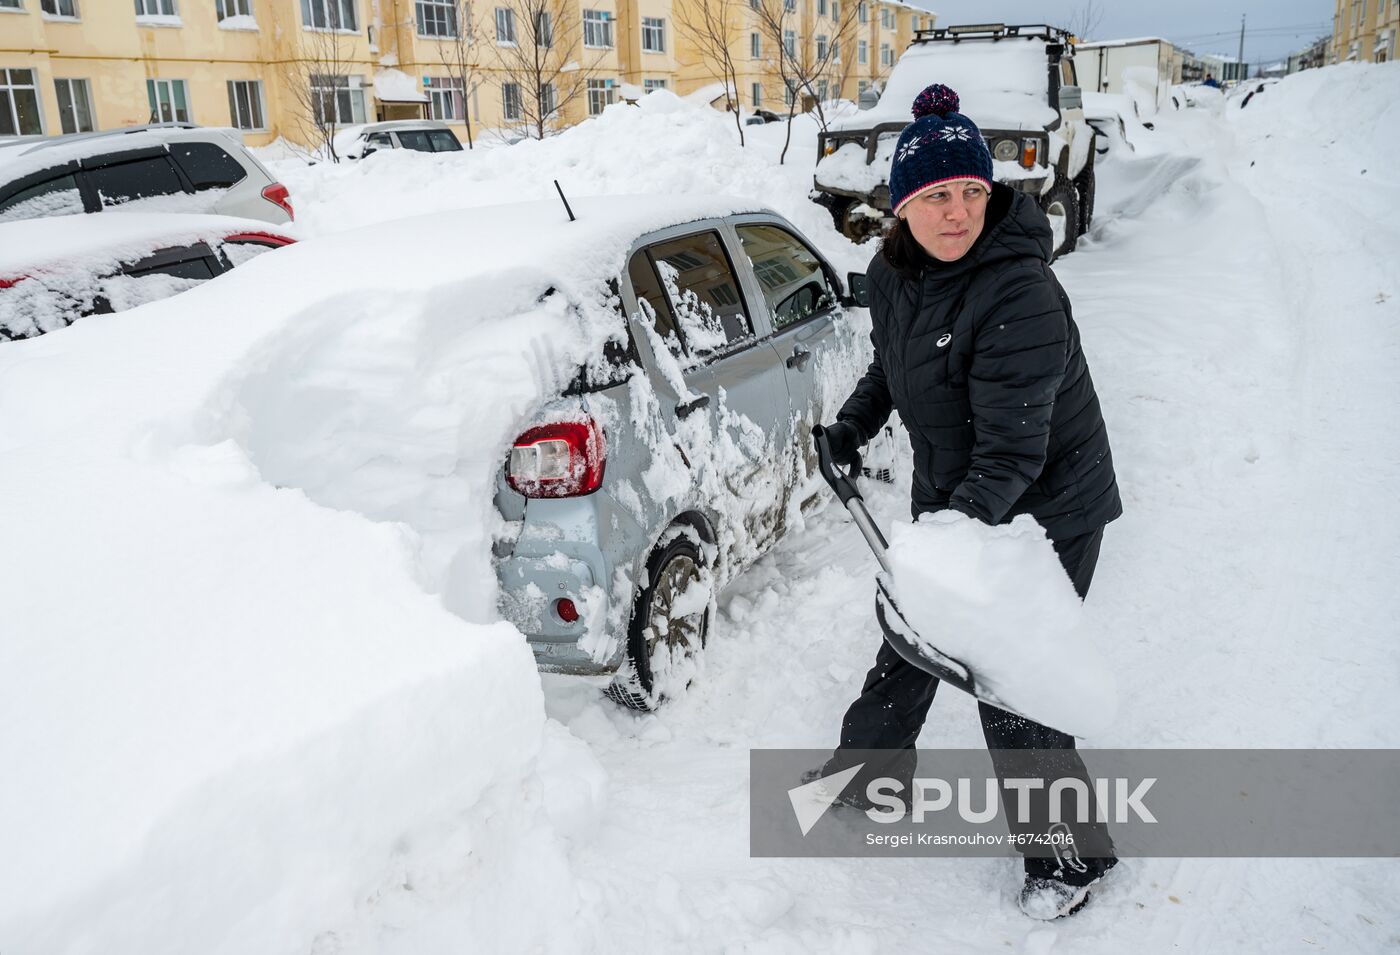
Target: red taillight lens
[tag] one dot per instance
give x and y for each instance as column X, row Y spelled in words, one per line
column 566, row 610
column 278, row 195
column 558, row 460
column 259, row 238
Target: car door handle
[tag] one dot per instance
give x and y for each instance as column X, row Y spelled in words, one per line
column 684, row 409
column 799, row 358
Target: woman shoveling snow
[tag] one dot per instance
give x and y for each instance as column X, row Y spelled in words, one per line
column 976, row 348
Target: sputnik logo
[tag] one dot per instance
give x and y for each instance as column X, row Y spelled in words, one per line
column 811, row 801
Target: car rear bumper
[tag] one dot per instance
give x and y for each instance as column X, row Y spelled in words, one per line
column 531, row 588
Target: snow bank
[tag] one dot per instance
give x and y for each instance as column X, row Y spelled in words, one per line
column 229, row 684
column 998, row 600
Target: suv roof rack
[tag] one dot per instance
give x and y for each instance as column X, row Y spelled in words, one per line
column 67, row 138
column 992, row 31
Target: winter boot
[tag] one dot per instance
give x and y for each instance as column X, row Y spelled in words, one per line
column 1047, row 898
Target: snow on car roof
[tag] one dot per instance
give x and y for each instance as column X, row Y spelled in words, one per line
column 23, row 159
column 1002, row 84
column 30, row 244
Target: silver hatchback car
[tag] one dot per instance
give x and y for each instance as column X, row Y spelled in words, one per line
column 637, row 493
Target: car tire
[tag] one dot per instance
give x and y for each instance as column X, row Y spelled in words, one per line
column 1062, row 202
column 1085, row 185
column 662, row 652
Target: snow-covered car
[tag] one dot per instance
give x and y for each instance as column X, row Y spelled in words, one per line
column 420, row 135
column 671, row 459
column 1111, row 115
column 58, row 269
column 1244, row 92
column 164, row 168
column 1017, row 83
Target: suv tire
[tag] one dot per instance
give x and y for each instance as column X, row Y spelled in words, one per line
column 1085, row 184
column 649, row 675
column 1063, row 201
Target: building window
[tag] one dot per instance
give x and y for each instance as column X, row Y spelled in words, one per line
column 862, row 54
column 74, row 105
column 863, row 12
column 328, row 14
column 886, row 57
column 917, row 21
column 505, row 25
column 755, row 46
column 653, row 35
column 169, row 101
column 789, row 93
column 790, row 6
column 821, row 8
column 757, row 93
column 597, row 29
column 836, row 10
column 156, row 8
column 650, row 85
column 836, row 51
column 887, row 18
column 60, row 8
column 544, row 30
column 445, row 101
column 437, row 18
column 245, row 104
column 600, row 95
column 821, row 46
column 11, row 4
column 337, row 100
column 790, row 42
column 19, row 104
column 225, row 9
column 510, row 100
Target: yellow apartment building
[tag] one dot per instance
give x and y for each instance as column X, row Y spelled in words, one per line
column 288, row 68
column 1365, row 30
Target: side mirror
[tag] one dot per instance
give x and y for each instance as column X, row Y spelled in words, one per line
column 857, row 293
column 1071, row 97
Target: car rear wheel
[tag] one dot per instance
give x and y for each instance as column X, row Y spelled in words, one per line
column 1061, row 205
column 1085, row 185
column 670, row 623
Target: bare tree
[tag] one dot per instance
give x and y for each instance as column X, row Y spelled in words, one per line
column 805, row 68
column 458, row 55
column 539, row 47
column 317, row 79
column 707, row 24
column 1085, row 20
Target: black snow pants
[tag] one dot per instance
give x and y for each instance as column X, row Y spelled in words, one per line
column 894, row 702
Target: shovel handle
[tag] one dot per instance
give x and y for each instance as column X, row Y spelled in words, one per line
column 842, row 483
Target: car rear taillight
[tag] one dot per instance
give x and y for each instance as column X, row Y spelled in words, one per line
column 1029, row 149
column 278, row 195
column 558, row 460
column 260, row 238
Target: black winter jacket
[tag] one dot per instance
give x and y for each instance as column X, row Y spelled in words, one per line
column 981, row 359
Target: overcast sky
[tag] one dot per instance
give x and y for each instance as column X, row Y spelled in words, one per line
column 1274, row 28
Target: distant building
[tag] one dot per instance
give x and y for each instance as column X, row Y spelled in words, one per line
column 1364, row 31
column 1226, row 69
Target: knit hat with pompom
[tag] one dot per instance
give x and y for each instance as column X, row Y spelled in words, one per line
column 940, row 145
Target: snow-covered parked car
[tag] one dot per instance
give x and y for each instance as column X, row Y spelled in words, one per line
column 164, row 168
column 58, row 269
column 671, row 460
column 1112, row 115
column 420, row 135
column 1017, row 83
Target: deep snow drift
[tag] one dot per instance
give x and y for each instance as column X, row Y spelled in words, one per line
column 238, row 718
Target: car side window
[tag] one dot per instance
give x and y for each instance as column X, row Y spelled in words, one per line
column 795, row 286
column 380, row 139
column 53, row 197
column 444, row 142
column 139, row 179
column 414, row 139
column 656, row 308
column 702, row 292
column 207, row 166
column 1067, row 75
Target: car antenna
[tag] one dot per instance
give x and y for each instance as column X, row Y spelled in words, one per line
column 565, row 201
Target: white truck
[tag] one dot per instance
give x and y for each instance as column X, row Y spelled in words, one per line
column 1017, row 83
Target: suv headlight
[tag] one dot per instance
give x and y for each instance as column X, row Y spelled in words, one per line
column 1005, row 150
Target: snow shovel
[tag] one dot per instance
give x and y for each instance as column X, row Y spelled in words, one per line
column 901, row 637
